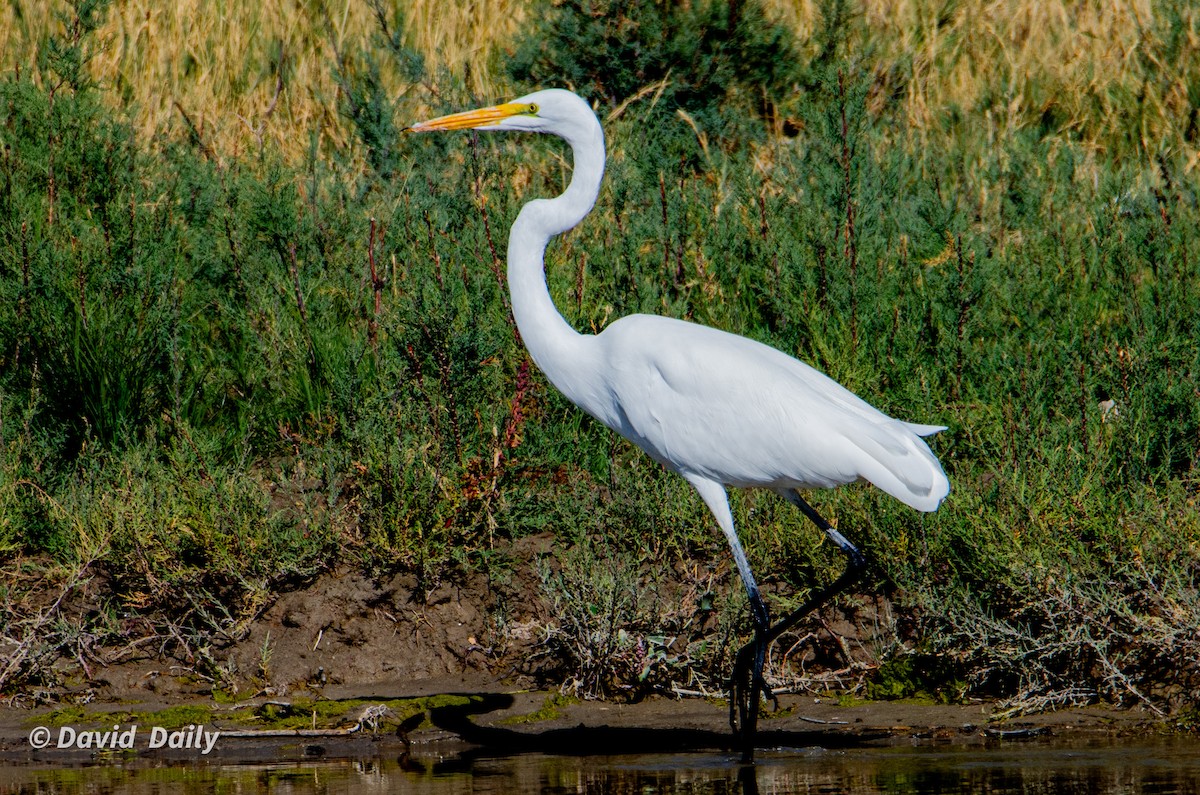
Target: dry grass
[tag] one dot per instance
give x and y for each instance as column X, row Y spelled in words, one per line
column 256, row 70
column 259, row 71
column 1078, row 62
column 1075, row 60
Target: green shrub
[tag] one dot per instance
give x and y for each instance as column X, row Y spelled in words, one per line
column 183, row 335
column 727, row 66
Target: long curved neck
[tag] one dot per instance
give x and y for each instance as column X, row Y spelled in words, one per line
column 556, row 347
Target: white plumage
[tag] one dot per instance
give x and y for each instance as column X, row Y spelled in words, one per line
column 719, row 409
column 729, row 409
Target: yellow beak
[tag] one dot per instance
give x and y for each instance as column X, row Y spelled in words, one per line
column 471, row 119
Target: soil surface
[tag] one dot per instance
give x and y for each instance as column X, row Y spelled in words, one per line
column 500, row 721
column 460, row 666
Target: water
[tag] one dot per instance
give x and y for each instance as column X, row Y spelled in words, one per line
column 1154, row 765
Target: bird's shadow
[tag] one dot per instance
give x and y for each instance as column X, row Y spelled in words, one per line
column 499, row 741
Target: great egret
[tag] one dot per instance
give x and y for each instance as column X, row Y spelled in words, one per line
column 718, row 409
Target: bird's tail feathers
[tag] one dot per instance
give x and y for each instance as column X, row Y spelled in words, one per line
column 924, row 430
column 897, row 461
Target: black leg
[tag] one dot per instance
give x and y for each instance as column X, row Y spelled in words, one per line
column 747, row 686
column 856, row 564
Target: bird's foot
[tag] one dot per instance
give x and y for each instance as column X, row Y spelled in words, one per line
column 746, row 691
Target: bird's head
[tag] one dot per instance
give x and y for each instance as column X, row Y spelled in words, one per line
column 552, row 111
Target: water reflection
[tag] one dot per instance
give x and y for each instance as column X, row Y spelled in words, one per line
column 1168, row 765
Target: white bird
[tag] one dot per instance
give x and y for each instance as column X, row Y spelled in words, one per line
column 716, row 408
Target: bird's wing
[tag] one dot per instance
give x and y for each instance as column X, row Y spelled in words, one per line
column 730, row 409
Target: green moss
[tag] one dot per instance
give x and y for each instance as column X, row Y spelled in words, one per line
column 1188, row 720
column 70, row 715
column 848, row 700
column 224, row 696
column 776, row 714
column 173, row 717
column 551, row 709
column 330, row 713
column 916, row 679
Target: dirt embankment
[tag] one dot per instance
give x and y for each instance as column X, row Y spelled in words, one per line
column 349, row 630
column 350, row 639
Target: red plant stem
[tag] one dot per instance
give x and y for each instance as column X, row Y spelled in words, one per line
column 377, row 287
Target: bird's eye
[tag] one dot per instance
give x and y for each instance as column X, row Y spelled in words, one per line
column 533, row 108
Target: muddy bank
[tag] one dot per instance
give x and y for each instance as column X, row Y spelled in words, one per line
column 466, row 664
column 458, row 715
column 530, row 623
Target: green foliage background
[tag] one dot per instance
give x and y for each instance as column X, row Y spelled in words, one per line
column 199, row 397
